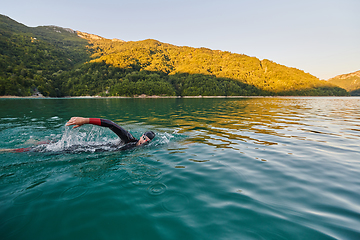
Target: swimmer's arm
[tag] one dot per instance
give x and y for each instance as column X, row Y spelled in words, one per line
column 77, row 121
column 7, row 150
column 124, row 135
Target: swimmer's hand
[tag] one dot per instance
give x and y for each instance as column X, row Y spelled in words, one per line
column 77, row 121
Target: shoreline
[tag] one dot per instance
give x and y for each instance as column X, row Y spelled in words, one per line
column 142, row 96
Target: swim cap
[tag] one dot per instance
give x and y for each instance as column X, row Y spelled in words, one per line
column 150, row 134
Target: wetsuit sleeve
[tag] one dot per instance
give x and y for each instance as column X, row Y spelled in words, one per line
column 124, row 135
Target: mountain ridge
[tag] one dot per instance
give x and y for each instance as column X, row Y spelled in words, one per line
column 59, row 61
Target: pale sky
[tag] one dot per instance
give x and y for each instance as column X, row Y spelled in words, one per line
column 321, row 37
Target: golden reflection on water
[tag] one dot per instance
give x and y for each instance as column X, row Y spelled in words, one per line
column 242, row 124
column 224, row 121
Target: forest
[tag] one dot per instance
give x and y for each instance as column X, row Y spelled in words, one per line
column 58, row 62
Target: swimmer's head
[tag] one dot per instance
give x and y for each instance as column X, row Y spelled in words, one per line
column 146, row 138
column 150, row 135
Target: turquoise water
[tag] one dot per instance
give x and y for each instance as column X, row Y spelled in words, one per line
column 251, row 168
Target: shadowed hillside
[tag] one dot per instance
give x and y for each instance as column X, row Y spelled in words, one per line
column 30, row 56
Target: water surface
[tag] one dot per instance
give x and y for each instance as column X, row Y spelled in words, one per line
column 251, row 168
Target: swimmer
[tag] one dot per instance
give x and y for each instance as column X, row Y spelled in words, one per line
column 124, row 135
column 127, row 140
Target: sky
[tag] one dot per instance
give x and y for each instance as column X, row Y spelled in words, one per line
column 320, row 37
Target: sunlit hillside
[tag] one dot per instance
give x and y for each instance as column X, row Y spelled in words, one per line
column 350, row 82
column 151, row 55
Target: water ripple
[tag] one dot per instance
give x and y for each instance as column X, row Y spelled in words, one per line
column 157, row 189
column 175, row 202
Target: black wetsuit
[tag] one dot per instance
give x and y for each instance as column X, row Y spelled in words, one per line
column 127, row 140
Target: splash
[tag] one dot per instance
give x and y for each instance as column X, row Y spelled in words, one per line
column 163, row 138
column 81, row 140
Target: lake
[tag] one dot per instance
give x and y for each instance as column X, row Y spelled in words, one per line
column 230, row 168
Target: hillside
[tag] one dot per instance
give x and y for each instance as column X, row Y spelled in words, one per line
column 268, row 77
column 30, row 56
column 350, row 82
column 61, row 62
